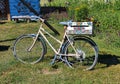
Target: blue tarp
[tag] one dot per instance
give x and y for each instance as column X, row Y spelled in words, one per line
column 17, row 8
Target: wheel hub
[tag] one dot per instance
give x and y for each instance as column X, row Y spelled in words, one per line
column 80, row 55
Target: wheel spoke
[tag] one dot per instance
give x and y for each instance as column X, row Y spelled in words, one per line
column 24, row 54
column 86, row 51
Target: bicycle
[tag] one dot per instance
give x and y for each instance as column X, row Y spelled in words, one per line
column 75, row 50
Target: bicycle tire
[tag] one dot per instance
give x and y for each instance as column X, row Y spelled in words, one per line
column 88, row 51
column 21, row 46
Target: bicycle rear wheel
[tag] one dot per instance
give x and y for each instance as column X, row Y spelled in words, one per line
column 22, row 45
column 86, row 51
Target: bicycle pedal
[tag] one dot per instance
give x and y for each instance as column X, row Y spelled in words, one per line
column 52, row 63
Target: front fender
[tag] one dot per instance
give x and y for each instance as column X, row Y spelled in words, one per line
column 40, row 38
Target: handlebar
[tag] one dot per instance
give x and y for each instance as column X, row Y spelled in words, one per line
column 50, row 26
column 68, row 23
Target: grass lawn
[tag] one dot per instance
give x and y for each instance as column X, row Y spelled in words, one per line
column 107, row 70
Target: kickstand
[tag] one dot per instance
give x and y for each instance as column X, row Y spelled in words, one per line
column 53, row 60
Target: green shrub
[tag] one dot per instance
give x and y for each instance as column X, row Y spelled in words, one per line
column 81, row 12
column 78, row 12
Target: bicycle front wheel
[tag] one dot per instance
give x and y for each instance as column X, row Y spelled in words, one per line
column 23, row 54
column 85, row 53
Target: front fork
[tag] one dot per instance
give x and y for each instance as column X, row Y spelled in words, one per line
column 34, row 40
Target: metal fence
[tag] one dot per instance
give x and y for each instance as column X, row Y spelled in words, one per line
column 3, row 9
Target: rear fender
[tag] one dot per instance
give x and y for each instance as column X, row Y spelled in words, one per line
column 87, row 38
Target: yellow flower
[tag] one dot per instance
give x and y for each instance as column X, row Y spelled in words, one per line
column 92, row 19
column 77, row 8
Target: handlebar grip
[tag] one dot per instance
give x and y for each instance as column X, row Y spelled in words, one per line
column 54, row 30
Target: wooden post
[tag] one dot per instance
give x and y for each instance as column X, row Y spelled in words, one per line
column 8, row 10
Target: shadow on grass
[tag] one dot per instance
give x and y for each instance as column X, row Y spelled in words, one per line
column 4, row 47
column 8, row 40
column 109, row 59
